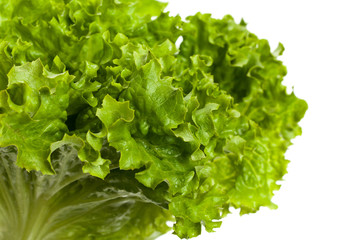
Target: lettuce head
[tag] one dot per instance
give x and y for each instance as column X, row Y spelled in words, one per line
column 116, row 118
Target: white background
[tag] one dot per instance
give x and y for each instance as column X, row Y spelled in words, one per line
column 320, row 197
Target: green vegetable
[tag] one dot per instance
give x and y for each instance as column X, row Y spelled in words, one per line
column 108, row 130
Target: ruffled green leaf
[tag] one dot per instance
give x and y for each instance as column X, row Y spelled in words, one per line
column 155, row 97
column 36, row 102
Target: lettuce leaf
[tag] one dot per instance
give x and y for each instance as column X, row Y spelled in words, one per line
column 74, row 205
column 108, row 130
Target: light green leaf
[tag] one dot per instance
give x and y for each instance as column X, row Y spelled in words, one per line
column 36, row 102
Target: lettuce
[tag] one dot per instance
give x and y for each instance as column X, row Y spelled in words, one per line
column 108, row 130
